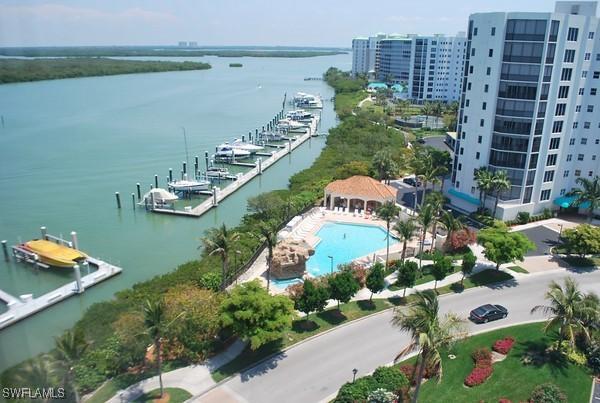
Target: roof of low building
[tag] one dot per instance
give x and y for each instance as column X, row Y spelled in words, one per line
column 363, row 187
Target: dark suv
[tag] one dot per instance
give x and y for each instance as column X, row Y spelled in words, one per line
column 488, row 312
column 411, row 181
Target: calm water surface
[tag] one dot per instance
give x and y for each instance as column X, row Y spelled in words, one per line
column 68, row 145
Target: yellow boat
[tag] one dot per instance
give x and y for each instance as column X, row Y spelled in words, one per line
column 54, row 254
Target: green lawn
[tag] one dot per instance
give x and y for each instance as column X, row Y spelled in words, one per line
column 423, row 279
column 301, row 329
column 485, row 277
column 346, row 102
column 518, row 269
column 176, row 395
column 577, row 261
column 511, row 379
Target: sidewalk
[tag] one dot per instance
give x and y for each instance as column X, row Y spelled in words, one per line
column 196, row 379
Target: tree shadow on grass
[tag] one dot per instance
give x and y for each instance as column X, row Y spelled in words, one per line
column 397, row 301
column 366, row 305
column 263, row 360
column 332, row 316
column 536, row 353
column 304, row 325
column 575, row 264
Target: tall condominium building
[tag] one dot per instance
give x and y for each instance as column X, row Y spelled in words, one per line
column 363, row 54
column 430, row 66
column 529, row 106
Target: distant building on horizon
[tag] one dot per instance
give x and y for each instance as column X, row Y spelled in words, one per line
column 182, row 44
column 529, row 107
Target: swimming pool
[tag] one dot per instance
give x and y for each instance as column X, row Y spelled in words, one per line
column 344, row 242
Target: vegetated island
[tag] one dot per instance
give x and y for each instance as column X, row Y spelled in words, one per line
column 23, row 70
column 235, row 64
column 126, row 51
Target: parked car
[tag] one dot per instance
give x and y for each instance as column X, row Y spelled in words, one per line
column 488, row 312
column 411, row 181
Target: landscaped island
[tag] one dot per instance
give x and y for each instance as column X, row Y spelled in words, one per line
column 20, row 70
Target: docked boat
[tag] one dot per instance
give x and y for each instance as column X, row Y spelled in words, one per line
column 226, row 151
column 188, row 185
column 252, row 148
column 272, row 136
column 54, row 254
column 300, row 115
column 217, row 172
column 158, row 197
column 289, row 125
column 309, row 101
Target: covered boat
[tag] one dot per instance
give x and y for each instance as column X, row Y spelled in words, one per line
column 54, row 254
column 160, row 197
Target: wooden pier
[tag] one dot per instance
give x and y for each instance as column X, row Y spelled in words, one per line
column 26, row 305
column 219, row 194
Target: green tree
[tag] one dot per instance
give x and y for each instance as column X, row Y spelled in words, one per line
column 429, row 334
column 267, row 231
column 568, row 309
column 484, row 179
column 500, row 184
column 406, row 231
column 468, row 264
column 154, row 320
column 426, row 217
column 407, row 275
column 342, row 287
column 502, row 246
column 265, row 205
column 313, row 298
column 387, row 212
column 222, row 242
column 35, row 373
column 588, row 194
column 450, row 224
column 442, row 265
column 436, row 201
column 70, row 347
column 384, row 165
column 255, row 315
column 375, row 279
column 352, row 168
column 582, row 240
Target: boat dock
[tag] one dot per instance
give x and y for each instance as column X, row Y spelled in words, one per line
column 219, row 194
column 26, row 305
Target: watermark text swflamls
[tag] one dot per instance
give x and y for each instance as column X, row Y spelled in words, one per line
column 33, row 393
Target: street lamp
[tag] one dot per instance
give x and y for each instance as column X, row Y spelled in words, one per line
column 354, row 371
column 331, row 260
column 560, row 232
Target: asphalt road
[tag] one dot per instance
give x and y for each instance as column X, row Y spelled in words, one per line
column 314, row 370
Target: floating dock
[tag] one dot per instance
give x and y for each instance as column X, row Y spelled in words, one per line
column 26, row 305
column 219, row 194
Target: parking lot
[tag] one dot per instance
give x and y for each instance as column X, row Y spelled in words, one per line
column 543, row 237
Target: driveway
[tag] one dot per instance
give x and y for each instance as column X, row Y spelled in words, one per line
column 315, row 370
column 437, row 142
column 543, row 237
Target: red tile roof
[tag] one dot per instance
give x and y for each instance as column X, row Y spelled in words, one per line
column 362, row 187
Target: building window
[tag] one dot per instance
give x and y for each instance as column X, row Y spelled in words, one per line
column 577, row 108
column 557, row 126
column 466, row 119
column 584, row 74
column 591, row 35
column 477, row 155
column 565, row 74
column 467, row 102
column 596, row 74
column 586, row 125
column 590, row 173
column 469, row 86
column 563, row 91
column 488, row 71
column 494, row 31
column 577, row 172
column 473, row 52
column 551, row 160
column 566, row 174
column 479, row 138
column 486, row 88
column 481, row 122
column 593, row 91
column 581, row 91
column 554, row 143
column 579, row 157
column 560, row 109
column 569, row 157
column 484, row 106
column 572, row 34
column 583, row 141
column 491, row 52
column 587, row 56
column 575, row 124
column 590, row 108
column 562, row 191
column 462, row 150
column 545, row 195
column 572, row 142
column 460, row 167
column 475, row 31
column 569, row 56
column 548, row 176
column 594, row 157
column 471, row 69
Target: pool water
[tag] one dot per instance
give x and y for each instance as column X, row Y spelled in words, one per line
column 344, row 242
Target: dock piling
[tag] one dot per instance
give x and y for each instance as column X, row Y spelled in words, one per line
column 214, row 196
column 170, row 174
column 259, row 161
column 44, row 232
column 133, row 200
column 74, row 240
column 78, row 279
column 184, row 167
column 118, row 197
column 206, row 159
column 156, row 181
column 289, row 145
column 139, row 191
column 5, row 250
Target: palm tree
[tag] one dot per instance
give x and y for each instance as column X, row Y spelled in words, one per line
column 426, row 216
column 154, row 320
column 35, row 373
column 387, row 212
column 268, row 233
column 220, row 241
column 436, row 200
column 70, row 347
column 568, row 308
column 450, row 224
column 588, row 194
column 406, row 230
column 500, row 183
column 384, row 165
column 429, row 334
column 484, row 179
column 427, row 110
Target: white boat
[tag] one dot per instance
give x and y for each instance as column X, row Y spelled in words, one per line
column 217, row 172
column 188, row 185
column 303, row 100
column 237, row 143
column 300, row 115
column 227, row 151
column 291, row 125
column 272, row 136
column 159, row 197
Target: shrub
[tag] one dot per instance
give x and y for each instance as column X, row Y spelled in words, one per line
column 408, row 370
column 359, row 390
column 381, row 396
column 482, row 357
column 593, row 358
column 523, row 217
column 547, row 393
column 390, row 378
column 478, row 376
column 503, row 346
column 504, row 400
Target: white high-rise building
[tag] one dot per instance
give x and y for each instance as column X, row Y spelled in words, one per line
column 363, row 53
column 431, row 67
column 529, row 107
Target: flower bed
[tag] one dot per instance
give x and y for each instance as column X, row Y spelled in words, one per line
column 503, row 346
column 483, row 367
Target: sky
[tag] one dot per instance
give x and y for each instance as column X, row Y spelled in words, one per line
column 231, row 23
